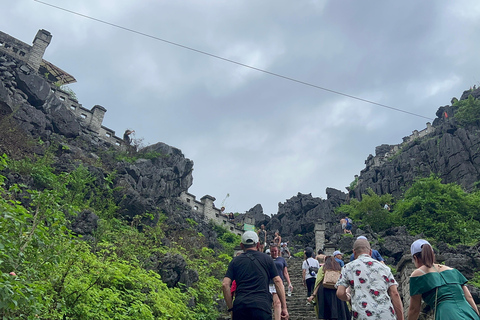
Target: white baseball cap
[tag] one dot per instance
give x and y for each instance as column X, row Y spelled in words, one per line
column 337, row 252
column 417, row 246
column 362, row 237
column 249, row 237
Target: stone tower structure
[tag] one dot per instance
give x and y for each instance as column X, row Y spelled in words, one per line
column 40, row 44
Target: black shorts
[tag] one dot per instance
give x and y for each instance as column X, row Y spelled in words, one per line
column 251, row 314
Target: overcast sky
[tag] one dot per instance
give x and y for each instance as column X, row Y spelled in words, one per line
column 257, row 137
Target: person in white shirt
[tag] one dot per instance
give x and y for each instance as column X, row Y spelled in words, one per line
column 309, row 275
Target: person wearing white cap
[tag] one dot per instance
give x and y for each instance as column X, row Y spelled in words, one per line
column 375, row 254
column 374, row 293
column 338, row 257
column 441, row 287
column 252, row 272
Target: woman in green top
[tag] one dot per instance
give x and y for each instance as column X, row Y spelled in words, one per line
column 441, row 287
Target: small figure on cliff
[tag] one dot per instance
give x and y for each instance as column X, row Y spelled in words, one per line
column 386, row 207
column 126, row 136
column 346, row 225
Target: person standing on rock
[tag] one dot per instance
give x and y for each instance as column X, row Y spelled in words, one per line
column 126, row 136
column 374, row 293
column 281, row 265
column 262, row 237
column 252, row 271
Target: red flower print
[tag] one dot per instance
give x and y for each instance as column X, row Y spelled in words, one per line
column 392, row 280
column 392, row 310
column 369, row 313
column 374, row 292
column 364, row 304
column 362, row 280
column 386, row 278
column 369, row 263
column 351, row 282
column 357, row 272
column 355, row 315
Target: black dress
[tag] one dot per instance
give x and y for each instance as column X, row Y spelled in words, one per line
column 329, row 306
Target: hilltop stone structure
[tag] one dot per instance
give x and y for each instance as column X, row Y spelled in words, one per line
column 206, row 208
column 41, row 76
column 147, row 190
column 41, row 82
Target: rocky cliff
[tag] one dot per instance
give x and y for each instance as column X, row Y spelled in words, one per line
column 147, row 183
column 445, row 149
column 449, row 151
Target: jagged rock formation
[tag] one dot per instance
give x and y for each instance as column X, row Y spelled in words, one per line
column 449, row 151
column 297, row 216
column 30, row 110
column 445, row 149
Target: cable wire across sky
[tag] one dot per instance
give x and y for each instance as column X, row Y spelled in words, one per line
column 233, row 61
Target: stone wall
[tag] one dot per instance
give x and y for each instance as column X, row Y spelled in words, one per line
column 206, row 208
column 33, row 56
column 13, row 47
column 92, row 119
column 384, row 152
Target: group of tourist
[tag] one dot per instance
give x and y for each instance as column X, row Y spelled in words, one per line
column 364, row 288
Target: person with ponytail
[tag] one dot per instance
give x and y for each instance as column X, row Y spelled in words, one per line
column 441, row 287
column 327, row 305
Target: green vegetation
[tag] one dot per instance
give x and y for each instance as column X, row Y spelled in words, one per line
column 468, row 111
column 299, row 254
column 353, row 184
column 369, row 211
column 442, row 212
column 48, row 272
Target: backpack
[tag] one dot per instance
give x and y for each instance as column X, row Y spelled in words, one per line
column 349, row 222
column 312, row 270
column 330, row 279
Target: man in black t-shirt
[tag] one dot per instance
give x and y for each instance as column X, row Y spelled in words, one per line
column 252, row 271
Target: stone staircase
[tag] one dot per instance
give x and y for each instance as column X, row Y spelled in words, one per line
column 296, row 303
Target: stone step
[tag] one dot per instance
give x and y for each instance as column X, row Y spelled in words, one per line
column 296, row 303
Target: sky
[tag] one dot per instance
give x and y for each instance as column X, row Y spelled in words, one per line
column 254, row 137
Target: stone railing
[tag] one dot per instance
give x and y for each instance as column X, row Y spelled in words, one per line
column 92, row 119
column 207, row 209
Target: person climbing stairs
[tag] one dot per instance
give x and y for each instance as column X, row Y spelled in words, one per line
column 297, row 302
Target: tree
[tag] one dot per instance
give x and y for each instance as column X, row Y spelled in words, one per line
column 441, row 211
column 370, row 211
column 468, row 111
